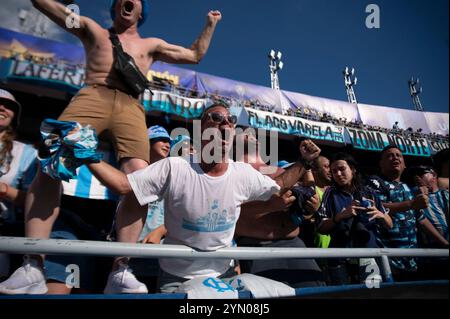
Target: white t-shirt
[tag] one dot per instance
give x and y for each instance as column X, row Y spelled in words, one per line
column 200, row 211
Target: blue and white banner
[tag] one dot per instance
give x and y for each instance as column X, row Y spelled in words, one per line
column 318, row 106
column 437, row 122
column 69, row 79
column 293, row 126
column 171, row 103
column 438, row 145
column 387, row 117
column 377, row 141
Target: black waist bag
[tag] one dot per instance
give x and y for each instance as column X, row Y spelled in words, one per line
column 125, row 66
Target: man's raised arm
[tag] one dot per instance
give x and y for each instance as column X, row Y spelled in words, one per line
column 309, row 152
column 176, row 54
column 63, row 16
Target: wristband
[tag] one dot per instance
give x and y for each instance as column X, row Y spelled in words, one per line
column 307, row 165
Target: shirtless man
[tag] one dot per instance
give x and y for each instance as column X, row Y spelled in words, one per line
column 105, row 104
column 269, row 224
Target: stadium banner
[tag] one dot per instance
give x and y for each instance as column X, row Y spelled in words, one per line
column 259, row 96
column 387, row 117
column 438, row 145
column 292, row 126
column 25, row 47
column 60, row 78
column 41, row 62
column 178, row 77
column 171, row 103
column 377, row 141
column 437, row 122
column 319, row 106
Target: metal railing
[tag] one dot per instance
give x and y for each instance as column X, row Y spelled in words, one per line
column 15, row 245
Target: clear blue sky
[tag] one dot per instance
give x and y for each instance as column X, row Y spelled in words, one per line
column 318, row 39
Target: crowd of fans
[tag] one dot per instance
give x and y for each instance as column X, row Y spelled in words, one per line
column 329, row 203
column 301, row 112
column 202, row 199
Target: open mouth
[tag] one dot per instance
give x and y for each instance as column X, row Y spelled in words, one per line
column 128, row 7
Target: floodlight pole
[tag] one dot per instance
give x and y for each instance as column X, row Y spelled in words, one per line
column 415, row 90
column 275, row 65
column 350, row 81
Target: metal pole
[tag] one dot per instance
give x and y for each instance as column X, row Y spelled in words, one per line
column 387, row 272
column 22, row 245
column 350, row 81
column 415, row 90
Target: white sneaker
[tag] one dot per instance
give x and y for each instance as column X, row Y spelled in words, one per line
column 28, row 279
column 122, row 281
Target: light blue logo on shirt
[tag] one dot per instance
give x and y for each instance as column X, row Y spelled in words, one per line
column 215, row 221
column 218, row 285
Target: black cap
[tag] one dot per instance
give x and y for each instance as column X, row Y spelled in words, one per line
column 420, row 170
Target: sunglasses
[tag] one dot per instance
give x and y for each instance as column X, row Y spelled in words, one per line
column 219, row 118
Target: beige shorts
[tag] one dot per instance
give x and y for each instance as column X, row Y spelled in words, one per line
column 112, row 110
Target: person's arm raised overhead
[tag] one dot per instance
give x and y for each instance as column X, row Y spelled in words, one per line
column 62, row 16
column 177, row 54
column 309, row 152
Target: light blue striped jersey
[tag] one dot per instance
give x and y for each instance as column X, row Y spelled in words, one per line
column 404, row 232
column 437, row 213
column 21, row 172
column 87, row 185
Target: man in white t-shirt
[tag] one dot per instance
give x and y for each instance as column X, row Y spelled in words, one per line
column 202, row 199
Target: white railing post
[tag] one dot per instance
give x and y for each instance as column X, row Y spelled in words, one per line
column 387, row 272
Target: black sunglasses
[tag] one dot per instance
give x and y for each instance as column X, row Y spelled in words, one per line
column 219, row 118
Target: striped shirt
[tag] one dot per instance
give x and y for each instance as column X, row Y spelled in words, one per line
column 88, row 186
column 404, row 232
column 20, row 175
column 437, row 213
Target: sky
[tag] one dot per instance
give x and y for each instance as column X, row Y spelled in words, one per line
column 318, row 39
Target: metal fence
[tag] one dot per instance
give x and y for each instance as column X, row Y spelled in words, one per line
column 15, row 245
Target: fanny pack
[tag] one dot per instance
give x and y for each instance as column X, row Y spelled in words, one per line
column 125, row 66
